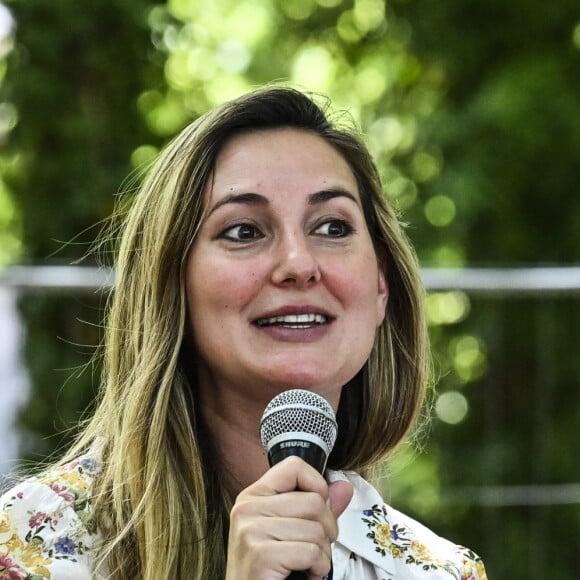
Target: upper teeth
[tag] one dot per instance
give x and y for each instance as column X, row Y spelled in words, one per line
column 293, row 319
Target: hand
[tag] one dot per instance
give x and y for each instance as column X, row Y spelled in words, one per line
column 285, row 521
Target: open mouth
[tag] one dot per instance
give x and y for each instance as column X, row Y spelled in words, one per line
column 294, row 320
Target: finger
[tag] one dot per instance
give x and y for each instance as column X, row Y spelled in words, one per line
column 299, row 506
column 301, row 556
column 340, row 493
column 259, row 551
column 289, row 475
column 293, row 530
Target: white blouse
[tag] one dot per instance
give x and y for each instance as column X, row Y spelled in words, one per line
column 375, row 541
column 46, row 531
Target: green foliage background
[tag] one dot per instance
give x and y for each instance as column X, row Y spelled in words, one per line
column 473, row 113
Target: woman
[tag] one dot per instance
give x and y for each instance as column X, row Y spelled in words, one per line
column 259, row 255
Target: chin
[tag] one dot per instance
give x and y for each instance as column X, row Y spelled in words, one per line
column 316, row 382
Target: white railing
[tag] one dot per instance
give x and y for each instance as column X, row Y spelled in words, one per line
column 81, row 278
column 477, row 281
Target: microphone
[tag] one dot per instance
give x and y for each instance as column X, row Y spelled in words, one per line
column 300, row 423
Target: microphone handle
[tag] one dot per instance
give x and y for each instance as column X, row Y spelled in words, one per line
column 310, row 452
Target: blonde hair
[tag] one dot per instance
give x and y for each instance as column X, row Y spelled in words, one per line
column 158, row 501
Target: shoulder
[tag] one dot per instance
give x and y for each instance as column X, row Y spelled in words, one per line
column 46, row 528
column 412, row 545
column 398, row 544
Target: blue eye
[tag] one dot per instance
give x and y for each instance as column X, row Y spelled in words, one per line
column 334, row 229
column 241, row 233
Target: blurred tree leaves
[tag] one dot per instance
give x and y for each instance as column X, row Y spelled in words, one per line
column 507, row 132
column 73, row 77
column 77, row 69
column 10, row 224
column 508, row 129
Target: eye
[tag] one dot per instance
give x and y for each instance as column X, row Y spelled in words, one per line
column 334, row 229
column 241, row 233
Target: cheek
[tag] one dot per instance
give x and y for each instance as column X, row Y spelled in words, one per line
column 213, row 285
column 360, row 283
column 366, row 298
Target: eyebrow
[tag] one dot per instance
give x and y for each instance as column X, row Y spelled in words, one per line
column 327, row 194
column 260, row 200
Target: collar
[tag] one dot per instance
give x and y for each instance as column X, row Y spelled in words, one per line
column 363, row 527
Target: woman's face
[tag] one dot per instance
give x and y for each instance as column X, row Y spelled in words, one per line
column 283, row 286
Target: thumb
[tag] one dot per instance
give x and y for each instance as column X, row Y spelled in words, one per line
column 339, row 496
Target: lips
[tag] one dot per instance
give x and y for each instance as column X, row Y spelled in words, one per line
column 293, row 320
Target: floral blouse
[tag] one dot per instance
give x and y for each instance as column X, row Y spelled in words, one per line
column 375, row 541
column 46, row 532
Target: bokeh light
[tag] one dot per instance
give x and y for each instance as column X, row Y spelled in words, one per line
column 440, row 210
column 447, row 307
column 451, row 407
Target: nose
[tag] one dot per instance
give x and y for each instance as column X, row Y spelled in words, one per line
column 295, row 262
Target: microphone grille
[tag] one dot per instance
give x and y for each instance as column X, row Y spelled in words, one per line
column 298, row 411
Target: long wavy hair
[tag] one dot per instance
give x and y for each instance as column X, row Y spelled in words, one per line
column 158, row 501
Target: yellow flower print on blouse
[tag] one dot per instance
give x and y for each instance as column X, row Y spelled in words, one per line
column 472, row 570
column 400, row 542
column 46, row 523
column 6, row 527
column 383, row 535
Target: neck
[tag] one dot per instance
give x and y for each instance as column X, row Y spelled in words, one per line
column 233, row 426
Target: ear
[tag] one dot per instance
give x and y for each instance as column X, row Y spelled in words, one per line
column 382, row 296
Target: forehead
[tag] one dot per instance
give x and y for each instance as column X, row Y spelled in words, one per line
column 275, row 158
